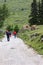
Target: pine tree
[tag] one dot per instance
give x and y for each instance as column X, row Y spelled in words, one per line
column 41, row 12
column 4, row 11
column 34, row 13
column 3, row 14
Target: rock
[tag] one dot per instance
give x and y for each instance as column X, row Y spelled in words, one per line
column 33, row 27
column 26, row 27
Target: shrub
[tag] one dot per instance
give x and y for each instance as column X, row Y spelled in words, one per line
column 16, row 28
column 9, row 27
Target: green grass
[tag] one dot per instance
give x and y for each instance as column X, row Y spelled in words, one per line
column 17, row 16
column 35, row 43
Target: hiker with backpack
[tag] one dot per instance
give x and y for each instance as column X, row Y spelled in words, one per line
column 8, row 34
column 14, row 33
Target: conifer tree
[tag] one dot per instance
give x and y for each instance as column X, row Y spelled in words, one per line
column 34, row 13
column 4, row 11
column 41, row 12
column 3, row 14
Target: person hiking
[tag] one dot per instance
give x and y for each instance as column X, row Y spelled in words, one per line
column 8, row 34
column 14, row 33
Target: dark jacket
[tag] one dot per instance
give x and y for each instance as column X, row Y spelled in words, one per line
column 8, row 34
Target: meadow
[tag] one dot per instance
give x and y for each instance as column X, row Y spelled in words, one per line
column 19, row 11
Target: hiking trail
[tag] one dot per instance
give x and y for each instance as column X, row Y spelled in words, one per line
column 15, row 52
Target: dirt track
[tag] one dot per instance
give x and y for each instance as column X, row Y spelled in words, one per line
column 16, row 52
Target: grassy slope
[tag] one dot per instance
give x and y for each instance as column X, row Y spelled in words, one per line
column 17, row 16
column 36, row 43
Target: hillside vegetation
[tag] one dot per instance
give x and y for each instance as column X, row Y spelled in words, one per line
column 19, row 11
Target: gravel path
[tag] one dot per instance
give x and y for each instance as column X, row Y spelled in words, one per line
column 16, row 52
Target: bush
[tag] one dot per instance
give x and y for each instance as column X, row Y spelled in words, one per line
column 3, row 14
column 10, row 28
column 16, row 28
column 1, row 23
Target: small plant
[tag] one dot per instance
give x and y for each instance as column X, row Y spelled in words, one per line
column 16, row 28
column 10, row 28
